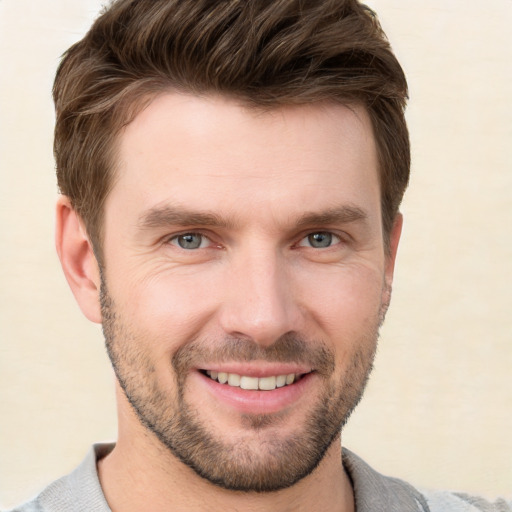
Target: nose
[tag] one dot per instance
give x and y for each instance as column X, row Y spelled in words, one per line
column 260, row 302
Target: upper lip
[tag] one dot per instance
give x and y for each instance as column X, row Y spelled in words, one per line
column 257, row 370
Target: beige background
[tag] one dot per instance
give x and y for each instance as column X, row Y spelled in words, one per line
column 438, row 411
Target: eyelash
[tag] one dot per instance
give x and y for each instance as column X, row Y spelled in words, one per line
column 175, row 238
column 332, row 238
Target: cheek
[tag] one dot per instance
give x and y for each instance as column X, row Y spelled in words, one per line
column 171, row 308
column 346, row 303
column 349, row 315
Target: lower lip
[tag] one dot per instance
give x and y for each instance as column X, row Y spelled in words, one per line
column 257, row 402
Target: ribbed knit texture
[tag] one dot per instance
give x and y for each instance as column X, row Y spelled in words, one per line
column 80, row 491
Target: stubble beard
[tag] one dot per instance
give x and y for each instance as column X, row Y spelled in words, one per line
column 260, row 462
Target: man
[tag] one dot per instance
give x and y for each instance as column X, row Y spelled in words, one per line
column 231, row 176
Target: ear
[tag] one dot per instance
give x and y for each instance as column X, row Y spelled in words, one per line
column 77, row 259
column 390, row 258
column 394, row 238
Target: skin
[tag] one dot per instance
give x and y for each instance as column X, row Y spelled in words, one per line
column 253, row 186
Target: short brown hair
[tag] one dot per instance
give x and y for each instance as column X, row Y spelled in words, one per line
column 265, row 53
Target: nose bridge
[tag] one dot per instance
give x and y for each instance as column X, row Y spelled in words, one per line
column 260, row 302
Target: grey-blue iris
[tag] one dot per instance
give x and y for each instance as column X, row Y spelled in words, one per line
column 320, row 240
column 190, row 241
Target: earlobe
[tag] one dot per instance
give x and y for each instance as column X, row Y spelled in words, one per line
column 77, row 259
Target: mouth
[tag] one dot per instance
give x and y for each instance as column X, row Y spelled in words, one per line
column 247, row 382
column 257, row 389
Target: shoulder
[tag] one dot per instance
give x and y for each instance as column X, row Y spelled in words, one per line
column 30, row 506
column 78, row 491
column 454, row 501
column 375, row 493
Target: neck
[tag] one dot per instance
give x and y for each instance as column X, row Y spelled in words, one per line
column 141, row 474
column 133, row 482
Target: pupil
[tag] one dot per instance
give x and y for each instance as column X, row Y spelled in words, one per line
column 320, row 239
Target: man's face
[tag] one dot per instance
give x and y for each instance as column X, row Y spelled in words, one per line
column 244, row 245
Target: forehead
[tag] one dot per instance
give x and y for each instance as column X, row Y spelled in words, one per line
column 217, row 153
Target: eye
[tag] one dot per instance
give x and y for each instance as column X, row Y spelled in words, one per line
column 190, row 241
column 320, row 240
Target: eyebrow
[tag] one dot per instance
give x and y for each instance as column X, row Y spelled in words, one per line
column 342, row 215
column 168, row 216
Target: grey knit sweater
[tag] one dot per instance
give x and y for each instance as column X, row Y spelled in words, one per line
column 80, row 491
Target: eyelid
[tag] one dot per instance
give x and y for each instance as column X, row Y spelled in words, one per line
column 336, row 239
column 339, row 237
column 171, row 239
column 203, row 243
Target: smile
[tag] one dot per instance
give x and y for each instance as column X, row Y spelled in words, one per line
column 254, row 383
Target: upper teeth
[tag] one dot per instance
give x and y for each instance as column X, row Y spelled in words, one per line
column 245, row 382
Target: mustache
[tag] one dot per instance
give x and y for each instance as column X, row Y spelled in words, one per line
column 289, row 348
